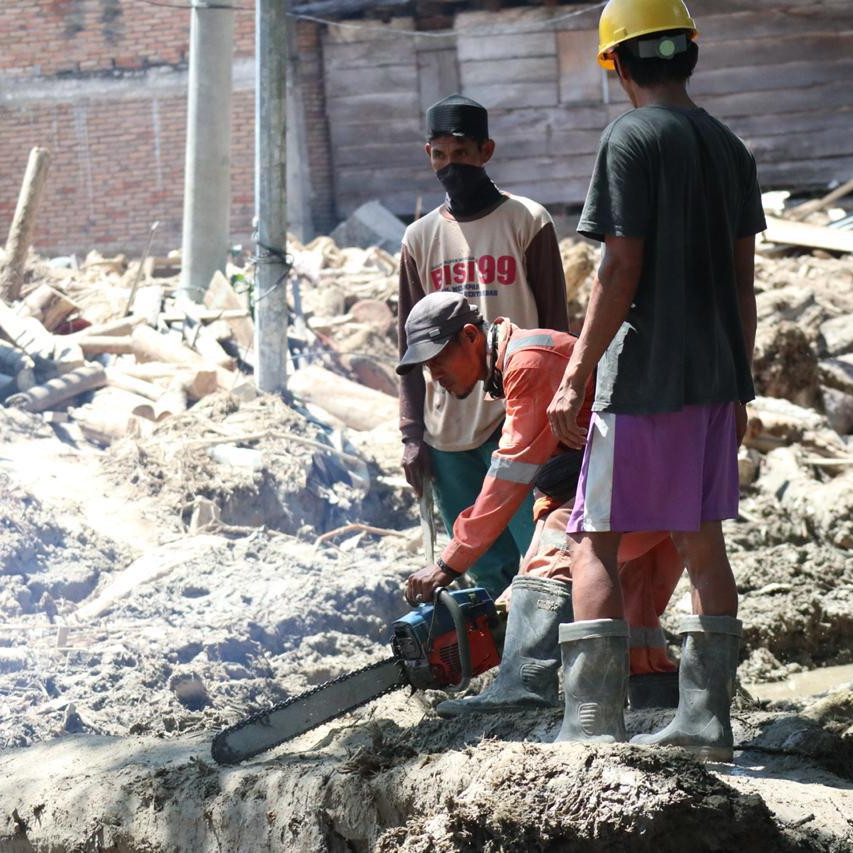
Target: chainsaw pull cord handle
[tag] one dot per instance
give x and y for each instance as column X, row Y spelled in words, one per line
column 443, row 597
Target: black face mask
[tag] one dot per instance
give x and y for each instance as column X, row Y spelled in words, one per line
column 469, row 189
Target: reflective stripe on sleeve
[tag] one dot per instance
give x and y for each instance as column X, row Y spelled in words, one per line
column 529, row 341
column 511, row 470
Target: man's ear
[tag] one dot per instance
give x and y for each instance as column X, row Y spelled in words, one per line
column 621, row 70
column 471, row 331
column 428, row 149
column 487, row 149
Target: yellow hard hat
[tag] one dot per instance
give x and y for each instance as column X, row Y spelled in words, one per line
column 622, row 20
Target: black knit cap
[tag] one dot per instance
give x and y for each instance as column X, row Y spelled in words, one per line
column 457, row 115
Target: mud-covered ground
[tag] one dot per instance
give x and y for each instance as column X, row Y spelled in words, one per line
column 130, row 635
column 156, row 591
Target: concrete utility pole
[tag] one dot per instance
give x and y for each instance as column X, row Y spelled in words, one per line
column 270, row 195
column 207, row 181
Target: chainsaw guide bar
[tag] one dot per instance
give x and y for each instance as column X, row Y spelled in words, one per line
column 299, row 714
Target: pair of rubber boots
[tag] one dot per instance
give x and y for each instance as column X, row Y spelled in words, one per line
column 595, row 678
column 527, row 678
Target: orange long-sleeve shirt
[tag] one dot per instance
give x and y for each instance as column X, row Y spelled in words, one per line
column 532, row 362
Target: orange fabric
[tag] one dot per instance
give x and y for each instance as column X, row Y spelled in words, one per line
column 543, row 507
column 530, row 379
column 650, row 567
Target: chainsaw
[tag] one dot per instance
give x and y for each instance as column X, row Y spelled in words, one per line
column 437, row 646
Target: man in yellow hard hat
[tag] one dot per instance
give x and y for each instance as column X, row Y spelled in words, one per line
column 670, row 326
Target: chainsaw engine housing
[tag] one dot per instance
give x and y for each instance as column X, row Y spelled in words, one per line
column 425, row 640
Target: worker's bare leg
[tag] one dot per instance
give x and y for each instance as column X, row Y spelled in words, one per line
column 704, row 553
column 597, row 593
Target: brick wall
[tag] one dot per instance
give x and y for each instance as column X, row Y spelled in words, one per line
column 102, row 85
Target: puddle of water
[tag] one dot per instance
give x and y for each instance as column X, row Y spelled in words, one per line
column 803, row 683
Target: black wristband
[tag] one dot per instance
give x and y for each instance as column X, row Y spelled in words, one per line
column 445, row 568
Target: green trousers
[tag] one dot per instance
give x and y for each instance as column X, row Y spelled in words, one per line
column 458, row 476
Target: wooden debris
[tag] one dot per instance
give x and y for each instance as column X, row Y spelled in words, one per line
column 26, row 333
column 220, row 294
column 60, row 389
column 48, row 305
column 119, row 379
column 104, row 426
column 358, row 407
column 148, row 303
column 810, row 236
column 803, row 210
column 113, row 328
column 23, row 222
column 139, row 271
column 92, row 345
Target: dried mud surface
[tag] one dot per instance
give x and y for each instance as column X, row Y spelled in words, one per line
column 174, row 634
column 152, row 593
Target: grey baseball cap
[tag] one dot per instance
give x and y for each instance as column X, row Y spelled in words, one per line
column 431, row 325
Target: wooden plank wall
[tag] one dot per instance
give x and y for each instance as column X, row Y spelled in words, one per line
column 777, row 71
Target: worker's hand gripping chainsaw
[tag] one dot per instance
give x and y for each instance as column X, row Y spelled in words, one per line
column 437, row 646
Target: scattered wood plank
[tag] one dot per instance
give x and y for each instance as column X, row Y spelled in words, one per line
column 220, row 294
column 803, row 210
column 810, row 236
column 358, row 407
column 59, row 390
column 96, row 345
column 26, row 333
column 23, row 222
column 48, row 305
column 111, row 328
column 119, row 379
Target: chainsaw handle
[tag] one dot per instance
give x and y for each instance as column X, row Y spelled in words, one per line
column 443, row 597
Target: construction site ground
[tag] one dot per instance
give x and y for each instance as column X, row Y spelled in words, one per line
column 153, row 591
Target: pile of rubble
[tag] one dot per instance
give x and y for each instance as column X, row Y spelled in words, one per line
column 109, row 351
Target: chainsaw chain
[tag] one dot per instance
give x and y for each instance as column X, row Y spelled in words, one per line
column 248, row 721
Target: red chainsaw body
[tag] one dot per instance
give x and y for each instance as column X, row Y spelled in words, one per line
column 425, row 640
column 443, row 658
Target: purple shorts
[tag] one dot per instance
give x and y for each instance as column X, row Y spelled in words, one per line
column 669, row 471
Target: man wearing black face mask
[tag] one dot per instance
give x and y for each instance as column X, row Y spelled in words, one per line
column 500, row 251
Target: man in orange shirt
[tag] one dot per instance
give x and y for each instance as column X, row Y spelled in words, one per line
column 524, row 367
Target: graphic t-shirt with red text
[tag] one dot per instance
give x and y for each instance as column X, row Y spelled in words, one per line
column 507, row 262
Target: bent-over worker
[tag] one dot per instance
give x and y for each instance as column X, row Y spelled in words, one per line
column 524, row 368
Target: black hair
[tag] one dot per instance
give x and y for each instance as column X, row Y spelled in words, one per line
column 651, row 72
column 479, row 322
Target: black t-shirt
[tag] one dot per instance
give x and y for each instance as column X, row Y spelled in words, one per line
column 683, row 182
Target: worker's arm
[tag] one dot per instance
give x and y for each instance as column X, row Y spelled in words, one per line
column 612, row 294
column 546, row 279
column 412, row 386
column 745, row 278
column 526, row 443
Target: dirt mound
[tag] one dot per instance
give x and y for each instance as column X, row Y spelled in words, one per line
column 249, row 621
column 393, row 781
column 261, row 463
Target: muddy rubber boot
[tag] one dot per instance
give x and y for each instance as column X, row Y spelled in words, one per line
column 527, row 677
column 595, row 680
column 706, row 678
